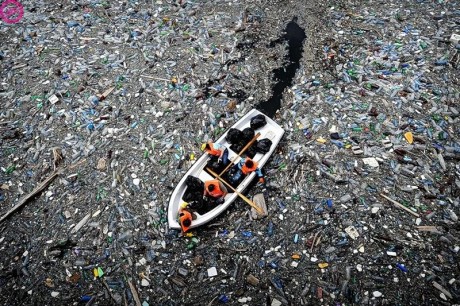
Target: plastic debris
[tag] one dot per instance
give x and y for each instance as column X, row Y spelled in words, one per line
column 55, row 294
column 409, row 137
column 251, row 279
column 352, row 232
column 212, row 272
column 377, row 294
column 105, row 105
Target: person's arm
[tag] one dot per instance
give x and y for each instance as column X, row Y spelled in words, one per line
column 241, row 163
column 221, row 148
column 260, row 175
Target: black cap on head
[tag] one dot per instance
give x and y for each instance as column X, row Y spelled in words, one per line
column 211, row 187
column 249, row 163
column 187, row 222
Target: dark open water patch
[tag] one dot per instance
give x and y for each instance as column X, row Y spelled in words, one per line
column 283, row 76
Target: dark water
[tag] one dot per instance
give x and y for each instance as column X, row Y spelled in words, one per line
column 283, row 76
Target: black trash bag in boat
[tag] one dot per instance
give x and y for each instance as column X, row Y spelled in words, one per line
column 251, row 151
column 193, row 198
column 248, row 134
column 238, row 146
column 233, row 135
column 258, row 121
column 215, row 165
column 194, row 193
column 263, row 146
column 207, row 204
column 194, row 184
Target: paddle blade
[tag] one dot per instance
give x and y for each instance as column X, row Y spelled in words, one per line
column 259, row 201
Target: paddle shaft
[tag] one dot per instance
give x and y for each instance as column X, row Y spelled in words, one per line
column 241, row 152
column 257, row 208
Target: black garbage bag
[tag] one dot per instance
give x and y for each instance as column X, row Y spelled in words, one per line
column 258, row 121
column 248, row 134
column 215, row 165
column 251, row 151
column 196, row 202
column 234, row 135
column 207, row 205
column 194, row 192
column 193, row 198
column 263, row 146
column 194, row 184
column 238, row 146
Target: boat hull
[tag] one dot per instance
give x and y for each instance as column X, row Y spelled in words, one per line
column 271, row 130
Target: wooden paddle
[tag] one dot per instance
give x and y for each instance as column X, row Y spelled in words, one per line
column 241, row 152
column 257, row 208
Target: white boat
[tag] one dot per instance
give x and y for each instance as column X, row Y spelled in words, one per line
column 271, row 131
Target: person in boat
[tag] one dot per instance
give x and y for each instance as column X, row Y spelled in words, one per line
column 216, row 190
column 217, row 150
column 185, row 217
column 244, row 167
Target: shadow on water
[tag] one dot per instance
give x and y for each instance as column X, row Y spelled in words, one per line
column 283, row 76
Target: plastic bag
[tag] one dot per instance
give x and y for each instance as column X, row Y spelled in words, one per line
column 237, row 146
column 193, row 198
column 234, row 135
column 207, row 204
column 258, row 121
column 194, row 193
column 248, row 134
column 251, row 152
column 263, row 146
column 194, row 184
column 214, row 165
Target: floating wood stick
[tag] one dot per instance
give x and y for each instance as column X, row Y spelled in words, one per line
column 155, row 78
column 442, row 289
column 106, row 93
column 108, row 289
column 81, row 223
column 134, row 292
column 400, row 205
column 34, row 192
column 314, row 240
column 37, row 190
column 429, row 228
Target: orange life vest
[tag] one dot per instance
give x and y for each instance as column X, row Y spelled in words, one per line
column 247, row 170
column 184, row 215
column 217, row 192
column 213, row 151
